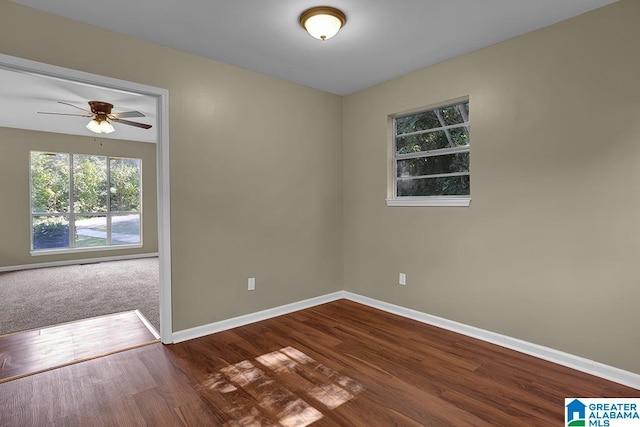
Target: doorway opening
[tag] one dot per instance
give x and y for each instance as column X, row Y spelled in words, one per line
column 93, row 82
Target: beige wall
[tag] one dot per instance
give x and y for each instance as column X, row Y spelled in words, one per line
column 548, row 250
column 256, row 169
column 15, row 146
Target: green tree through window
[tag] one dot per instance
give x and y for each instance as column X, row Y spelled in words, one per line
column 431, row 152
column 80, row 201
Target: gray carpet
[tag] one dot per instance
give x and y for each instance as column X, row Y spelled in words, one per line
column 36, row 298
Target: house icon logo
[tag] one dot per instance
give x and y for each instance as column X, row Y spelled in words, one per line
column 576, row 413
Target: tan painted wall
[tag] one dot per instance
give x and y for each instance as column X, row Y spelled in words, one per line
column 15, row 146
column 548, row 250
column 256, row 171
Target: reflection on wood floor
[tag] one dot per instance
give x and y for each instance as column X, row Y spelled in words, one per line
column 338, row 364
column 276, row 383
column 37, row 350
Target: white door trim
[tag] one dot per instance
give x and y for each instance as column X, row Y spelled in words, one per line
column 13, row 63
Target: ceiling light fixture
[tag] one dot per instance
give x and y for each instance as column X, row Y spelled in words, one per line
column 322, row 22
column 100, row 125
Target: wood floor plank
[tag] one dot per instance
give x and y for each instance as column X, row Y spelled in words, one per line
column 338, row 364
column 29, row 352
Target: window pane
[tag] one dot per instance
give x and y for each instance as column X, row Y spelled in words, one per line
column 50, row 232
column 450, row 163
column 432, row 141
column 49, row 182
column 125, row 229
column 90, row 231
column 444, row 186
column 460, row 136
column 452, row 114
column 89, row 183
column 125, row 185
column 417, row 122
column 433, row 119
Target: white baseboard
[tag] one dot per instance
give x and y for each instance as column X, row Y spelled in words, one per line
column 77, row 261
column 578, row 363
column 234, row 322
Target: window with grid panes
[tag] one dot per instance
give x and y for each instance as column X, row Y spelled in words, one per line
column 83, row 202
column 431, row 153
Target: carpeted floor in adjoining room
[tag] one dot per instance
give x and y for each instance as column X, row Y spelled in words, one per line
column 31, row 299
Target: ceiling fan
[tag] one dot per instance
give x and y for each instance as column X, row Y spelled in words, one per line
column 102, row 116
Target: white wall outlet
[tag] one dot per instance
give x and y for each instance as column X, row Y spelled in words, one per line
column 403, row 279
column 251, row 283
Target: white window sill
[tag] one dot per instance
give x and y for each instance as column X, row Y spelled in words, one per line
column 430, row 201
column 80, row 250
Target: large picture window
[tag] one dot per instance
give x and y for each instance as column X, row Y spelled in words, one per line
column 431, row 153
column 83, row 201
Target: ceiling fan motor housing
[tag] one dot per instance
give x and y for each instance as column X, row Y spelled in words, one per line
column 100, row 108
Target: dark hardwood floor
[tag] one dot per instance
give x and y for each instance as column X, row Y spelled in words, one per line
column 338, row 364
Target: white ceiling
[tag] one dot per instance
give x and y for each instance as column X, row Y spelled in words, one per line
column 23, row 95
column 382, row 39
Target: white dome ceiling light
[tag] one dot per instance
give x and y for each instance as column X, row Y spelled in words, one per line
column 322, row 22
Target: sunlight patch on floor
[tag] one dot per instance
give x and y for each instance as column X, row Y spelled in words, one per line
column 269, row 381
column 331, row 395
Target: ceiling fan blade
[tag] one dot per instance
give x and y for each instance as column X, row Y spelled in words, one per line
column 126, row 114
column 67, row 114
column 130, row 123
column 75, row 106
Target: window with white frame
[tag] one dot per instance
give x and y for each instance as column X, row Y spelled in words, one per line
column 431, row 154
column 82, row 202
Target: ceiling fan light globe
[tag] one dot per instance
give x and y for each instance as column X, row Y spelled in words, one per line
column 106, row 127
column 94, row 126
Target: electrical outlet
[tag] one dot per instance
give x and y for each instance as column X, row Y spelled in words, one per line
column 403, row 279
column 251, row 283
